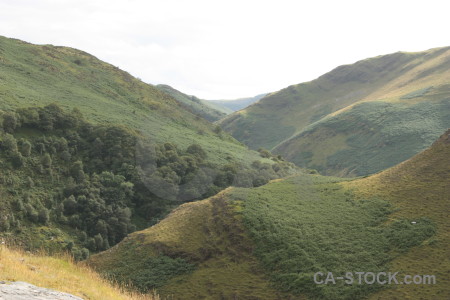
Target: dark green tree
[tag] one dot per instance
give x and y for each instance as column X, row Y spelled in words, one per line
column 25, row 148
column 10, row 122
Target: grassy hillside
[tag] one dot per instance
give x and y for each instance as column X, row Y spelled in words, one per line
column 371, row 136
column 198, row 106
column 292, row 228
column 61, row 274
column 347, row 120
column 418, row 187
column 37, row 75
column 200, row 251
column 237, row 104
column 69, row 185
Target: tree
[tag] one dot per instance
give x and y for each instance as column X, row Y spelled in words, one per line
column 99, row 245
column 70, row 205
column 77, row 171
column 217, row 129
column 30, row 182
column 28, row 116
column 258, row 181
column 65, row 156
column 40, row 147
column 4, row 224
column 25, row 148
column 10, row 122
column 101, row 228
column 47, row 161
column 264, row 153
column 91, row 244
column 197, row 151
column 9, row 143
column 45, row 121
column 18, row 205
column 17, row 160
column 32, row 213
column 43, row 216
column 84, row 254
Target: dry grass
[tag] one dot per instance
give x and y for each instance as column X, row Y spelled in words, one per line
column 62, row 274
column 210, row 234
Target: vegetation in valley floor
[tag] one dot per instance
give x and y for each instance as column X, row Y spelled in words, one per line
column 293, row 227
column 69, row 184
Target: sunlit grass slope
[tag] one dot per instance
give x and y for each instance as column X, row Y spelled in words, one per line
column 418, row 187
column 300, row 121
column 371, row 136
column 200, row 251
column 37, row 75
column 61, row 274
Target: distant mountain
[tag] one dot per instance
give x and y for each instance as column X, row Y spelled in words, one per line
column 198, row 106
column 211, row 110
column 237, row 104
column 357, row 119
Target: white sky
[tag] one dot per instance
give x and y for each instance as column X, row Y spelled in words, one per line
column 233, row 48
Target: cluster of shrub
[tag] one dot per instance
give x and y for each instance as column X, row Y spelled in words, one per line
column 102, row 180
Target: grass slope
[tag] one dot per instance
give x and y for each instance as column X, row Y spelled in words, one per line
column 202, row 108
column 37, row 75
column 418, row 187
column 371, row 136
column 204, row 249
column 292, row 228
column 61, row 274
column 299, row 121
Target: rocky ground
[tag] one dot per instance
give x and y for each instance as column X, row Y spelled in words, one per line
column 24, row 291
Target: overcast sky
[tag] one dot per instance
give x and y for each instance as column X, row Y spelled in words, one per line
column 233, row 48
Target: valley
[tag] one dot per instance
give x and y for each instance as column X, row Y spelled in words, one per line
column 357, row 119
column 130, row 190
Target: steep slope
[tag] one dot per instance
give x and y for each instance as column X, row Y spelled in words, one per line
column 198, row 106
column 37, row 75
column 200, row 251
column 59, row 273
column 348, row 119
column 418, row 187
column 69, row 185
column 109, row 154
column 290, row 229
column 371, row 136
column 237, row 104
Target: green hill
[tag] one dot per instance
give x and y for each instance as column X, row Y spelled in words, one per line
column 237, row 104
column 38, row 75
column 198, row 106
column 89, row 154
column 268, row 242
column 357, row 119
column 417, row 187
